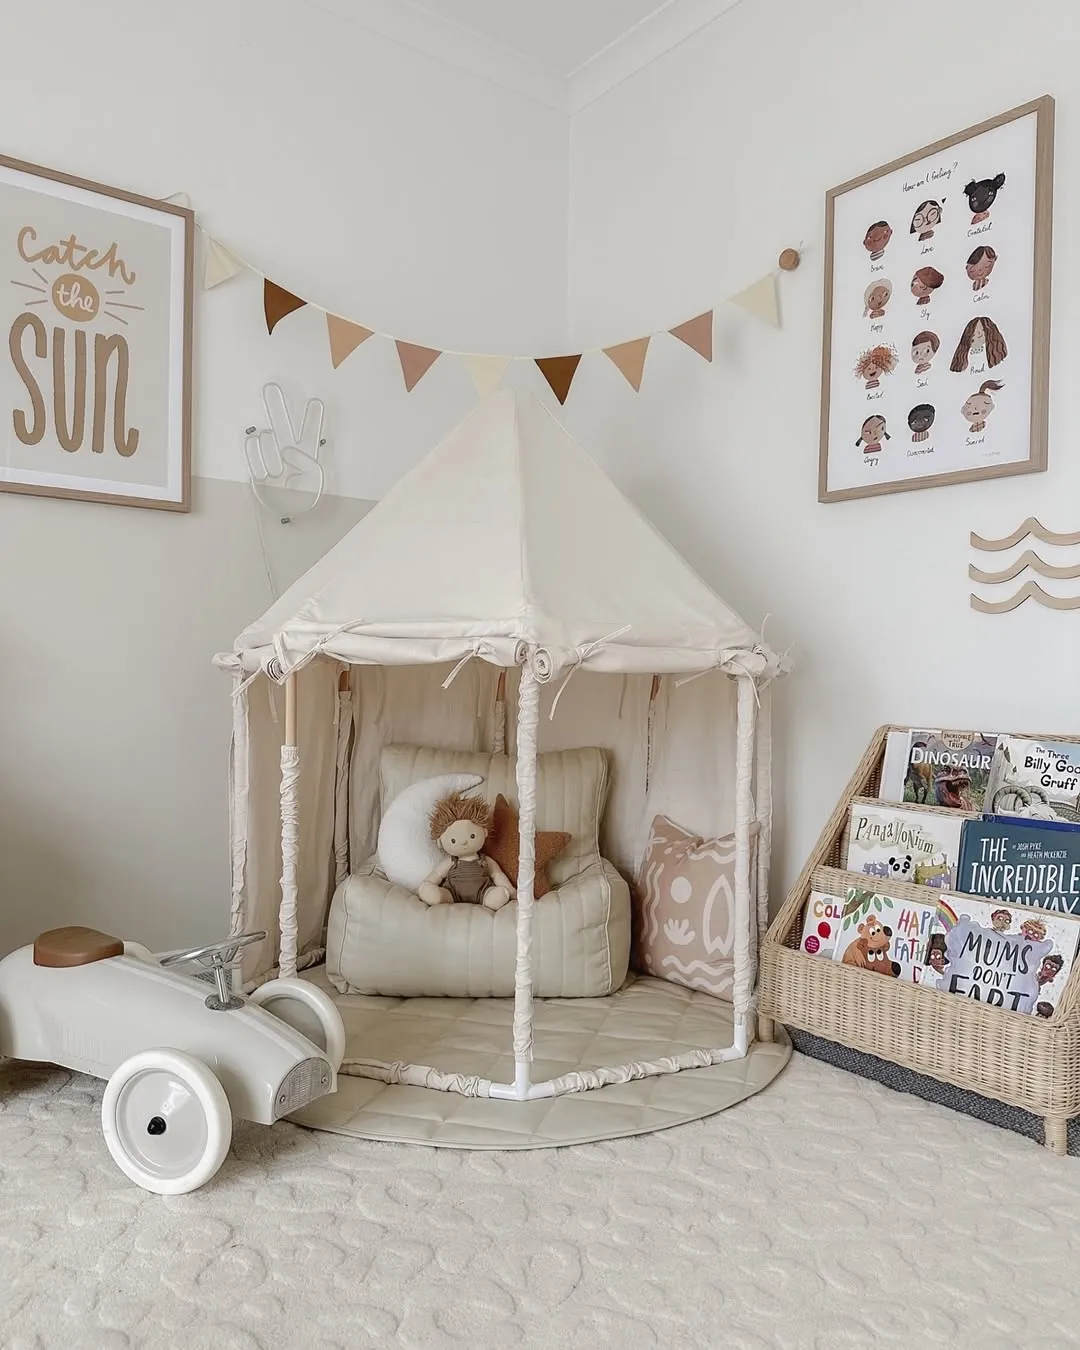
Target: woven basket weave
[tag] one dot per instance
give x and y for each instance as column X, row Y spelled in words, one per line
column 1024, row 1061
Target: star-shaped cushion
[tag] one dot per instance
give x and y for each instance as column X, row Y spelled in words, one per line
column 504, row 844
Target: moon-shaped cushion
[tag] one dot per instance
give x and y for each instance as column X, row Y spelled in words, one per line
column 407, row 852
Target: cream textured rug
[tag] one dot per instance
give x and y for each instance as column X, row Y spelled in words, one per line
column 825, row 1213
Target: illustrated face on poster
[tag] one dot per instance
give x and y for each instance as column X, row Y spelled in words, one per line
column 93, row 378
column 931, row 322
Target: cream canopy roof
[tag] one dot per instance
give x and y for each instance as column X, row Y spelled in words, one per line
column 507, row 532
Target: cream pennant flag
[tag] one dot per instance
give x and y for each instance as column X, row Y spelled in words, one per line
column 344, row 337
column 760, row 299
column 629, row 359
column 219, row 264
column 486, row 372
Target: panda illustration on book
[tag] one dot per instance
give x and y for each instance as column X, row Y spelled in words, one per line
column 902, row 867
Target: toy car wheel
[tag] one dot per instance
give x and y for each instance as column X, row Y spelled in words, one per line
column 166, row 1121
column 307, row 1009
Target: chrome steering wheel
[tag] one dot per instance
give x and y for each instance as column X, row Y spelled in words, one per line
column 217, row 956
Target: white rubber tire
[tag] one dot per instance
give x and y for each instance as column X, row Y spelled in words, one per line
column 307, row 1009
column 166, row 1121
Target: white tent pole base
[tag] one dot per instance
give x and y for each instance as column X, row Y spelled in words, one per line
column 521, row 1089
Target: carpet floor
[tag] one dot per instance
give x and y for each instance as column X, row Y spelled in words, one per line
column 826, row 1213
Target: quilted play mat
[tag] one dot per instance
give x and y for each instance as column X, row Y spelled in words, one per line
column 646, row 1020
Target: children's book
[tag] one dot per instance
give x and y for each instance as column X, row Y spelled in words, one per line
column 1023, row 862
column 1037, row 780
column 1018, row 959
column 896, row 843
column 821, row 924
column 882, row 933
column 937, row 768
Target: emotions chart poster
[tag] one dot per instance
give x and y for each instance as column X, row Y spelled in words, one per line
column 937, row 313
column 95, row 357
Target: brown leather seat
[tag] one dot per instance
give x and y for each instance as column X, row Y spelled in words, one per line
column 75, row 947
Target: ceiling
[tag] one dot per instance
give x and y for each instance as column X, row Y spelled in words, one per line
column 563, row 53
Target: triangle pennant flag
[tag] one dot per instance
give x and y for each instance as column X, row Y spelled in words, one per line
column 760, row 299
column 344, row 337
column 486, row 372
column 696, row 333
column 219, row 264
column 277, row 303
column 559, row 371
column 415, row 362
column 629, row 360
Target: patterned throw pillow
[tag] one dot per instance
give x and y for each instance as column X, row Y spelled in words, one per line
column 684, row 908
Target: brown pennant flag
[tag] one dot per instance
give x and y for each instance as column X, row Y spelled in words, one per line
column 559, row 371
column 345, row 337
column 696, row 333
column 415, row 362
column 277, row 303
column 629, row 359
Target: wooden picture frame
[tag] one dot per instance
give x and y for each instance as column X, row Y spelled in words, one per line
column 913, row 250
column 95, row 374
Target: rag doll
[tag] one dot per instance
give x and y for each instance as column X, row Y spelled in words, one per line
column 460, row 826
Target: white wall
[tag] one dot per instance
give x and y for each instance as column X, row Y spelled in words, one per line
column 359, row 173
column 686, row 182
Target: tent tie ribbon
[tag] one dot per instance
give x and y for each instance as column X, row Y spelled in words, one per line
column 578, row 659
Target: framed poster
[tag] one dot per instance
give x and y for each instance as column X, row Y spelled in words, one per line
column 936, row 351
column 95, row 361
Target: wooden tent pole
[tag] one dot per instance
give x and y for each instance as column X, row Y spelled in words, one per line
column 290, row 709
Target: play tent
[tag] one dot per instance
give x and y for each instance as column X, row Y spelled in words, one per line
column 506, row 550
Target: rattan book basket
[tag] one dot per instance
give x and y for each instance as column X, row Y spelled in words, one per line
column 1024, row 1061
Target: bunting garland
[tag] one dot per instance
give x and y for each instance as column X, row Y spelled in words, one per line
column 559, row 371
column 415, row 362
column 278, row 303
column 345, row 337
column 697, row 334
column 629, row 360
column 221, row 264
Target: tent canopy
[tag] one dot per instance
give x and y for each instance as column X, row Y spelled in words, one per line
column 506, row 533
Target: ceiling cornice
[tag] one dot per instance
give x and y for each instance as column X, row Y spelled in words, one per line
column 638, row 47
column 409, row 23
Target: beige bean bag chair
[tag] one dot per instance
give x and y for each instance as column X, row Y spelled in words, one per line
column 383, row 939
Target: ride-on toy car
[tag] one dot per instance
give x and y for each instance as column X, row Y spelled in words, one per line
column 179, row 1062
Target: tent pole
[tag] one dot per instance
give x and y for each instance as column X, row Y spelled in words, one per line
column 528, row 720
column 745, row 963
column 290, row 834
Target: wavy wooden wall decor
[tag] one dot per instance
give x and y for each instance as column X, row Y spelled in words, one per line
column 1030, row 590
column 1029, row 526
column 1027, row 561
